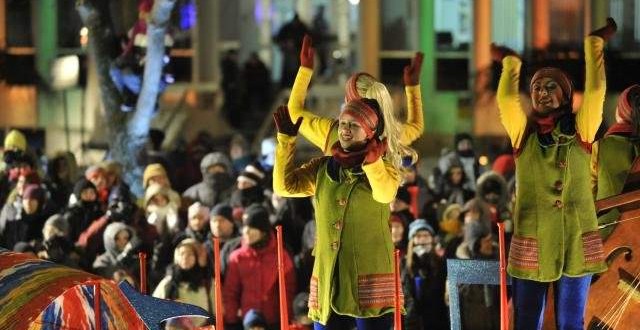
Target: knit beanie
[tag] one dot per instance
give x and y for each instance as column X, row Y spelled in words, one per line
column 224, row 210
column 256, row 216
column 627, row 101
column 419, row 224
column 198, row 209
column 351, row 87
column 152, row 170
column 34, row 191
column 15, row 140
column 559, row 77
column 81, row 185
column 252, row 173
column 365, row 112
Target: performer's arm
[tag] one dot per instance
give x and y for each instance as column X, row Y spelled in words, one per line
column 589, row 116
column 384, row 180
column 314, row 128
column 414, row 126
column 415, row 118
column 289, row 180
column 512, row 115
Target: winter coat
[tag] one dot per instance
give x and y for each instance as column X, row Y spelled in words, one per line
column 424, row 290
column 353, row 271
column 112, row 259
column 214, row 188
column 17, row 226
column 251, row 282
column 80, row 216
column 556, row 230
column 323, row 132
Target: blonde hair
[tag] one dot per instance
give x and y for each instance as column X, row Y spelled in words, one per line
column 368, row 87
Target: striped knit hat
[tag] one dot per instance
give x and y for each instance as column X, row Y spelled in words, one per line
column 365, row 112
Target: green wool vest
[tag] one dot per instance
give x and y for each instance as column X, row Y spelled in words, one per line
column 353, row 270
column 556, row 230
column 615, row 157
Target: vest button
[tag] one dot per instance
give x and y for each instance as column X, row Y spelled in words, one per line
column 342, row 202
column 337, row 225
column 558, row 204
column 562, row 139
column 334, row 246
column 558, row 185
column 562, row 164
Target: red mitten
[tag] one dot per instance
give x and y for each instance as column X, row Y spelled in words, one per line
column 375, row 150
column 306, row 53
column 607, row 31
column 411, row 75
column 500, row 52
column 283, row 121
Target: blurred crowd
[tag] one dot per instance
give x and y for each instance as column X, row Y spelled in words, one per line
column 88, row 219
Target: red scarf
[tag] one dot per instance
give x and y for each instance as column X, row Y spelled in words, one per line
column 547, row 123
column 620, row 129
column 347, row 159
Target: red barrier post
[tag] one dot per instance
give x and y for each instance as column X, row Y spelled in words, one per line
column 217, row 284
column 284, row 311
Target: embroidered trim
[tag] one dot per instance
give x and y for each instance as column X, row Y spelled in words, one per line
column 377, row 290
column 313, row 293
column 592, row 245
column 524, row 252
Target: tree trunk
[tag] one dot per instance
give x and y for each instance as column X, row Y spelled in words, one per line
column 127, row 132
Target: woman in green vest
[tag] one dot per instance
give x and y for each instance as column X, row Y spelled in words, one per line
column 353, row 275
column 613, row 156
column 556, row 238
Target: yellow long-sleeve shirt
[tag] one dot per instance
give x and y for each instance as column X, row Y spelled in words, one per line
column 318, row 130
column 588, row 117
column 292, row 181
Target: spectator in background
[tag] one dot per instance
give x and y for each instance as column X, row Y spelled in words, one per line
column 398, row 233
column 249, row 187
column 239, row 152
column 98, row 176
column 289, row 38
column 230, row 70
column 257, row 86
column 121, row 251
column 453, row 187
column 186, row 281
column 217, row 183
column 464, row 155
column 423, row 281
column 257, row 256
column 320, row 32
column 197, row 224
column 85, row 210
column 450, row 224
column 61, row 175
column 56, row 246
column 155, row 174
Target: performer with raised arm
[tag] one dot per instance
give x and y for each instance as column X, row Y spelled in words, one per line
column 353, row 274
column 323, row 132
column 556, row 238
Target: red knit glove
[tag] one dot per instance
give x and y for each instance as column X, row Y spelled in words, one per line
column 500, row 52
column 411, row 75
column 282, row 118
column 306, row 53
column 375, row 150
column 607, row 31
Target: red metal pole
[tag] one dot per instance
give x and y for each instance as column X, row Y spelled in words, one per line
column 143, row 272
column 504, row 306
column 413, row 192
column 397, row 317
column 217, row 284
column 96, row 305
column 284, row 311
